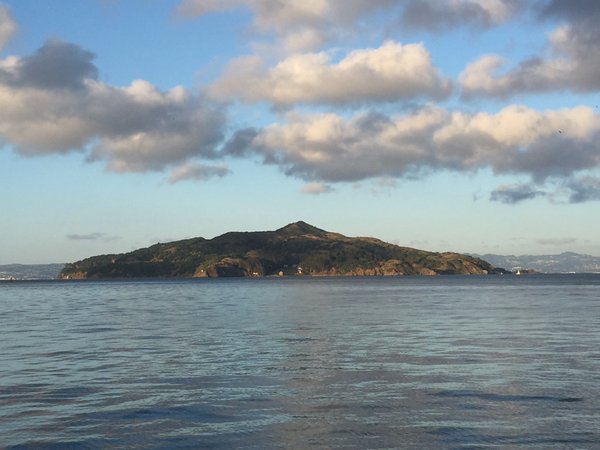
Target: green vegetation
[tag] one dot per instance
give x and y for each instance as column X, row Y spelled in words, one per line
column 296, row 249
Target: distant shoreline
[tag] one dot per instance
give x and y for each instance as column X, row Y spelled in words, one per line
column 307, row 278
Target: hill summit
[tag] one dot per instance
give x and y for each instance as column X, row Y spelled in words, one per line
column 296, row 249
column 299, row 228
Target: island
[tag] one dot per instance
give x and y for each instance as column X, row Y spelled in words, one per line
column 298, row 249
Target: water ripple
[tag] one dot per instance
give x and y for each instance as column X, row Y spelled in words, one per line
column 448, row 362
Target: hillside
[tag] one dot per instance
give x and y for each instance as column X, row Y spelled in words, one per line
column 563, row 263
column 296, row 249
column 29, row 271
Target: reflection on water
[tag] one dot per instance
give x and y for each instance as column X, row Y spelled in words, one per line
column 451, row 362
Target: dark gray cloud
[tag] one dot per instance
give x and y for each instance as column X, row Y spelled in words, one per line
column 92, row 237
column 436, row 15
column 569, row 9
column 584, row 189
column 569, row 189
column 56, row 65
column 515, row 193
column 241, row 141
column 555, row 156
column 197, row 172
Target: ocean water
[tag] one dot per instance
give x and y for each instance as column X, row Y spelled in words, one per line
column 408, row 362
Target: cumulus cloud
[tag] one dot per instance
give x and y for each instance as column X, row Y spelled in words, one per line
column 297, row 26
column 8, row 26
column 573, row 63
column 389, row 73
column 316, row 188
column 52, row 102
column 516, row 140
column 197, row 172
column 515, row 193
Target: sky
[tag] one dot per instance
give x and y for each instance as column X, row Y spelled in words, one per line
column 446, row 125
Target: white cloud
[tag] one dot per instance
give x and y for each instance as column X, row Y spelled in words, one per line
column 316, row 188
column 519, row 140
column 298, row 26
column 52, row 102
column 389, row 73
column 8, row 26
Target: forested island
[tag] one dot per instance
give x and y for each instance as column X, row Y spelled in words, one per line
column 298, row 249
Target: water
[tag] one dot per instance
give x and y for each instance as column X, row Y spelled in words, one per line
column 413, row 362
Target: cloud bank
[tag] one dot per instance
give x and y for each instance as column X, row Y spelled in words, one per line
column 516, row 140
column 311, row 24
column 53, row 101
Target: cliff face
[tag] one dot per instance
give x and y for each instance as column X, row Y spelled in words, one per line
column 296, row 249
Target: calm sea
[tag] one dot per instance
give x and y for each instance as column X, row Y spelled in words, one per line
column 409, row 362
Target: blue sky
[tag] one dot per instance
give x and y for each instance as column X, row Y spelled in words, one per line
column 458, row 125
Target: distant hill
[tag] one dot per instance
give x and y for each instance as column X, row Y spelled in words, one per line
column 30, row 271
column 564, row 263
column 296, row 249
